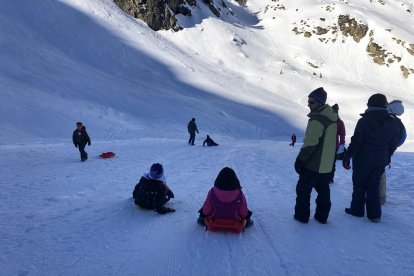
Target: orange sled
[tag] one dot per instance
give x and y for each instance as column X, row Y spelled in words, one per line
column 108, row 154
column 216, row 224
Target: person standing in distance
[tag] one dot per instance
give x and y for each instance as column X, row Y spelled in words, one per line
column 80, row 138
column 293, row 140
column 192, row 129
column 315, row 159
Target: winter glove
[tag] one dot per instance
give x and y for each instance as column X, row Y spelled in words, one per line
column 89, row 143
column 170, row 194
column 341, row 149
column 299, row 164
column 346, row 162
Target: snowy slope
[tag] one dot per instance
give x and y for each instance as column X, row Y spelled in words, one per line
column 63, row 217
column 135, row 89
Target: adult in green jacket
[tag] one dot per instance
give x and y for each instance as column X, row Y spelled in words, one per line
column 315, row 159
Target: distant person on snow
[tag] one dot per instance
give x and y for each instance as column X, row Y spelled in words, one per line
column 226, row 199
column 315, row 159
column 340, row 141
column 210, row 142
column 192, row 129
column 395, row 108
column 293, row 140
column 374, row 141
column 152, row 191
column 80, row 138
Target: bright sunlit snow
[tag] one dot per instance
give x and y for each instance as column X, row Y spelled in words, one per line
column 245, row 79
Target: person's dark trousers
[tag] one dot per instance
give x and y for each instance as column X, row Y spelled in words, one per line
column 308, row 180
column 332, row 174
column 366, row 191
column 83, row 153
column 192, row 138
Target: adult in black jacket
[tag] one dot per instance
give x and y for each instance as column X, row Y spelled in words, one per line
column 152, row 191
column 374, row 141
column 210, row 142
column 192, row 129
column 80, row 138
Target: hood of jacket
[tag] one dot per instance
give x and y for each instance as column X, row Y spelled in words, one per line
column 324, row 111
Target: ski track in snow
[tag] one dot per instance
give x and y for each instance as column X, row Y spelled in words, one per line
column 65, row 217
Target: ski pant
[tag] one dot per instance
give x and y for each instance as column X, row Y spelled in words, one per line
column 192, row 138
column 332, row 174
column 152, row 203
column 308, row 180
column 366, row 181
column 383, row 188
column 83, row 153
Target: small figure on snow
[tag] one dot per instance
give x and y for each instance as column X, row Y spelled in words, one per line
column 80, row 138
column 293, row 140
column 152, row 191
column 192, row 129
column 210, row 142
column 226, row 199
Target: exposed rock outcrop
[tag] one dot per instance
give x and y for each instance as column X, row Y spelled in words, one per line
column 350, row 27
column 241, row 2
column 158, row 14
column 212, row 7
column 161, row 14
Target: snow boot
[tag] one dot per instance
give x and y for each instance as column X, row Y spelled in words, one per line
column 375, row 220
column 300, row 220
column 349, row 211
column 163, row 210
column 200, row 221
column 321, row 221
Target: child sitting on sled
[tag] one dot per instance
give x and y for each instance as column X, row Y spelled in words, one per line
column 210, row 142
column 152, row 191
column 226, row 200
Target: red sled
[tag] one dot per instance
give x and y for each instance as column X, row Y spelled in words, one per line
column 216, row 224
column 108, row 154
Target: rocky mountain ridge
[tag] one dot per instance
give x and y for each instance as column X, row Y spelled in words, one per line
column 336, row 27
column 161, row 14
column 333, row 25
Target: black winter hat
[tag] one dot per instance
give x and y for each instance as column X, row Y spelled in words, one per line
column 319, row 94
column 156, row 171
column 377, row 100
column 227, row 180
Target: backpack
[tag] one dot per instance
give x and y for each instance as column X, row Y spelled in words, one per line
column 403, row 132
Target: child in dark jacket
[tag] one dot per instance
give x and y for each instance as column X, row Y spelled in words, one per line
column 226, row 199
column 152, row 191
column 80, row 138
column 210, row 142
